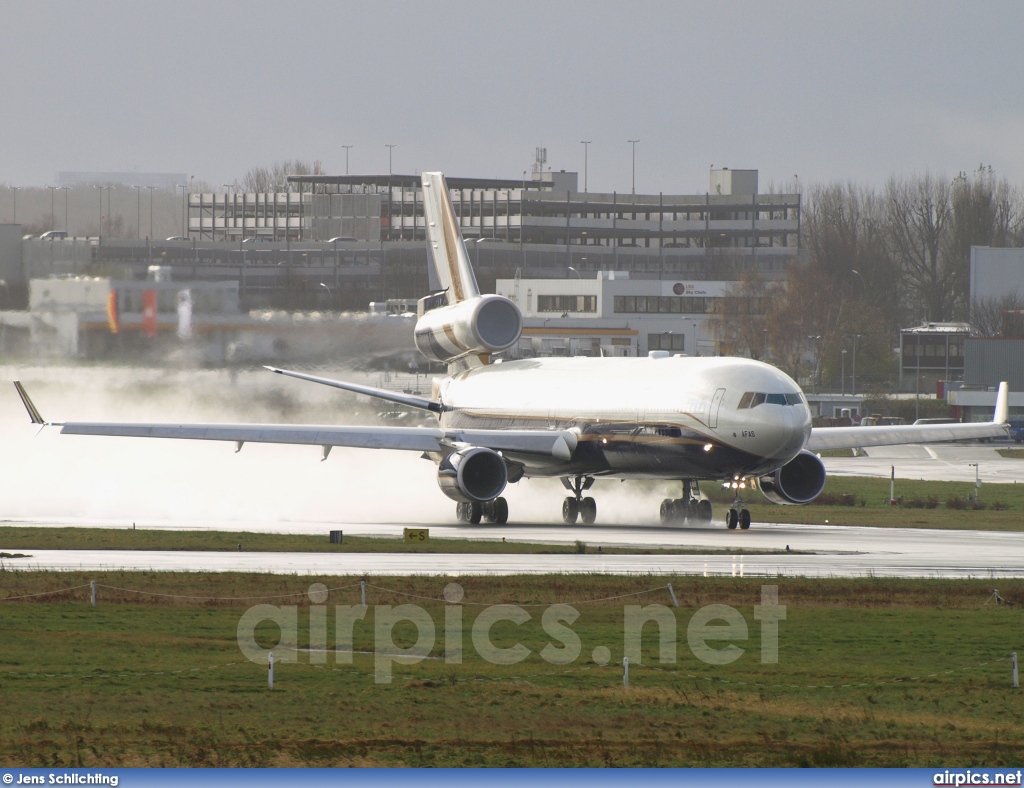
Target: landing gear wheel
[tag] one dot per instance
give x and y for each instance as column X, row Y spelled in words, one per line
column 588, row 511
column 474, row 512
column 497, row 511
column 460, row 512
column 570, row 511
column 704, row 510
column 731, row 519
column 692, row 508
column 667, row 511
column 744, row 519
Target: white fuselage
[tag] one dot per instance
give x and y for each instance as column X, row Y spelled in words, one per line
column 670, row 418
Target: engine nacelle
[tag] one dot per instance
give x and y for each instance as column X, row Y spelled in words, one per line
column 483, row 324
column 470, row 475
column 799, row 481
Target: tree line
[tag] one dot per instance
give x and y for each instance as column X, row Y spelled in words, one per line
column 876, row 261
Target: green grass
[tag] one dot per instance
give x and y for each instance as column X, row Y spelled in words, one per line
column 871, row 505
column 1012, row 454
column 35, row 538
column 134, row 710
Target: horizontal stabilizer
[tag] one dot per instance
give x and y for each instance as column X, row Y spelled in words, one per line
column 391, row 396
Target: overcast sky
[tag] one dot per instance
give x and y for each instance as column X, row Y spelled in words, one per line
column 823, row 90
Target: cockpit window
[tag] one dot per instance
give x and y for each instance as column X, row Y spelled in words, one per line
column 751, row 399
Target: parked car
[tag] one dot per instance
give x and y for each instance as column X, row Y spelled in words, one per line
column 937, row 421
column 877, row 420
column 176, row 238
column 1017, row 429
column 53, row 235
column 256, row 239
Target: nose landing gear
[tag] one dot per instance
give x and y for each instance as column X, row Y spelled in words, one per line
column 576, row 506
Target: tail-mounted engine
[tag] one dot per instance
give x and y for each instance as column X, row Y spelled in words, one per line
column 474, row 474
column 799, row 481
column 480, row 325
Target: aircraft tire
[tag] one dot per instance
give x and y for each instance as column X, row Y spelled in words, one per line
column 704, row 511
column 667, row 511
column 499, row 511
column 731, row 519
column 745, row 519
column 588, row 511
column 570, row 511
column 475, row 511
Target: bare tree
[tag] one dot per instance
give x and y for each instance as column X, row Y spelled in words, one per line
column 997, row 317
column 919, row 215
column 275, row 177
column 742, row 325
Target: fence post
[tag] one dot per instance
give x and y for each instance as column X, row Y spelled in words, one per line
column 362, row 593
column 625, row 672
column 92, row 592
column 270, row 670
column 1013, row 661
column 672, row 594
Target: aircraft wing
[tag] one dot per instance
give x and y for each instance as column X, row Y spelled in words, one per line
column 823, row 438
column 555, row 443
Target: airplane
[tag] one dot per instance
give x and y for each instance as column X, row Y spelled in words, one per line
column 735, row 421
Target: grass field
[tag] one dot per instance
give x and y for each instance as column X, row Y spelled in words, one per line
column 49, row 538
column 153, row 680
column 925, row 505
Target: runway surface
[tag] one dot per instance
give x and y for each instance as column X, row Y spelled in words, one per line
column 837, row 551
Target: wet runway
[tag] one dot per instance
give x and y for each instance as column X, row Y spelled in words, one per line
column 837, row 551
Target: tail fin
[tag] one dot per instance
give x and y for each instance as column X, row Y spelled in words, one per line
column 451, row 261
column 1002, row 412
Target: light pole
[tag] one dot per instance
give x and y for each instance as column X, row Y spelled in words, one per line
column 183, row 187
column 347, row 149
column 325, row 287
column 815, row 339
column 14, row 190
column 917, row 375
column 586, row 148
column 100, row 188
column 151, row 188
column 765, row 357
column 633, row 143
column 52, row 218
column 853, row 377
column 390, row 148
column 138, row 211
column 65, row 189
column 842, row 379
column 570, row 268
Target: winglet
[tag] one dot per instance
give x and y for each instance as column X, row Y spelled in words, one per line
column 1002, row 414
column 33, row 411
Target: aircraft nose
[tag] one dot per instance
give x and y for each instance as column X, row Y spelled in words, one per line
column 794, row 432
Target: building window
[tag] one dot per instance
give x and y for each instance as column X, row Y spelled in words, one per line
column 673, row 342
column 566, row 303
column 673, row 305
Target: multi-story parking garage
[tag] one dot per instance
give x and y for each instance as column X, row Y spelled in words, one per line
column 339, row 242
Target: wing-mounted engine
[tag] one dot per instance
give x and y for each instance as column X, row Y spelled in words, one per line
column 478, row 327
column 799, row 481
column 472, row 475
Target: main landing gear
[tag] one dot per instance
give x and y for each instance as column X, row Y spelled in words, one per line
column 689, row 507
column 576, row 506
column 495, row 511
